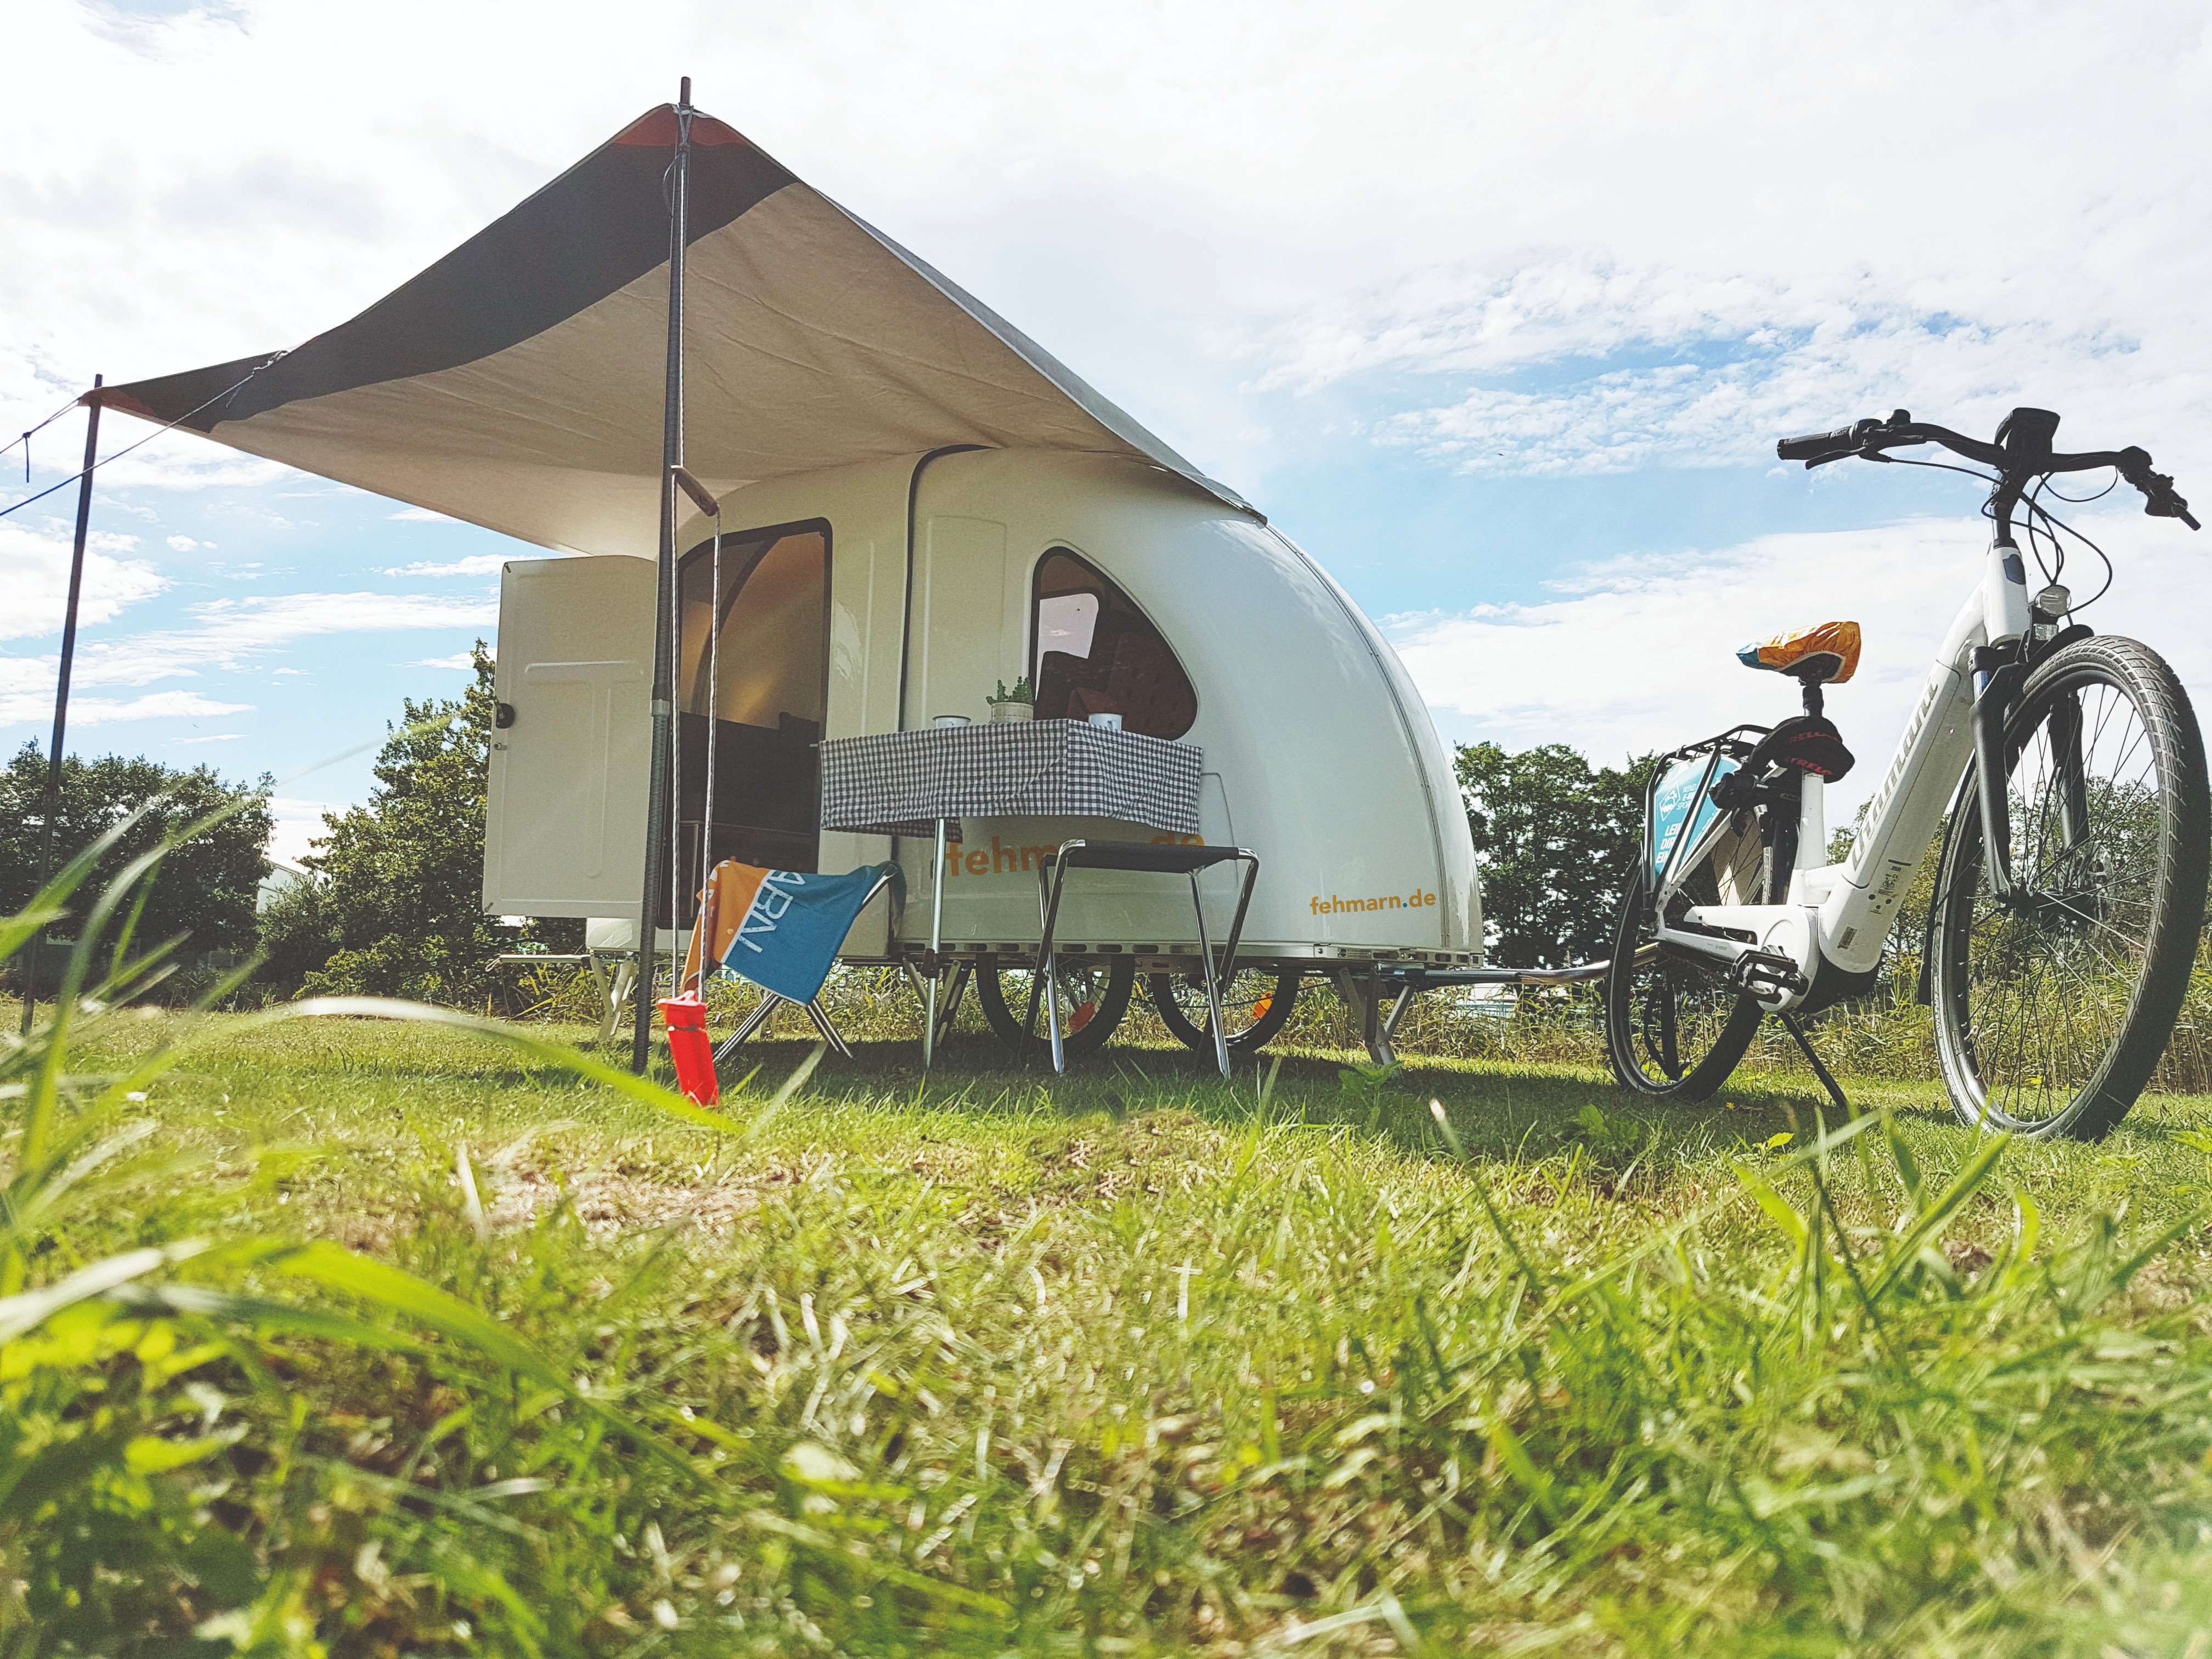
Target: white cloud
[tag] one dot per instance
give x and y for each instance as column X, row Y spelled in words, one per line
column 422, row 515
column 1589, row 367
column 179, row 460
column 38, row 567
column 188, row 544
column 294, row 825
column 1639, row 652
column 214, row 736
column 476, row 564
column 231, row 634
column 107, row 711
column 460, row 661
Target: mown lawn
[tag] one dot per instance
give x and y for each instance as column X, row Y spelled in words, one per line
column 1135, row 1362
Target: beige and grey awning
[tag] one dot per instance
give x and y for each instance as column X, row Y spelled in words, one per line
column 517, row 383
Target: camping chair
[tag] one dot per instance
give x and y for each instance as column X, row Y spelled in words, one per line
column 1154, row 858
column 802, row 940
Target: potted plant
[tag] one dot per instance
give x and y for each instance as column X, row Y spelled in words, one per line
column 1019, row 704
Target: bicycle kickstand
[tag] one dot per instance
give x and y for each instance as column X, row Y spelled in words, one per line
column 1827, row 1080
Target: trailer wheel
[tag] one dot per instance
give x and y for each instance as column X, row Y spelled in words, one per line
column 1093, row 997
column 1256, row 1003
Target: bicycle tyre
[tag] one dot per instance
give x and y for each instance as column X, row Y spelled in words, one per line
column 1005, row 1015
column 2174, row 838
column 1629, row 994
column 1193, row 1034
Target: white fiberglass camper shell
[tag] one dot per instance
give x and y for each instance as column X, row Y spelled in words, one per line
column 918, row 503
column 1318, row 753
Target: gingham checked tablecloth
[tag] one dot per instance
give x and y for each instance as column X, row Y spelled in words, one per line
column 901, row 783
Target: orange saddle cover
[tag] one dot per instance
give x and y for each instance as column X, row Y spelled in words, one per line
column 1799, row 652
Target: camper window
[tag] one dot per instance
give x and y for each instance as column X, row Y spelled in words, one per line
column 770, row 688
column 1094, row 652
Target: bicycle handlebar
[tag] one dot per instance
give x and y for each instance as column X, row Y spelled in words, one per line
column 1821, row 445
column 2022, row 452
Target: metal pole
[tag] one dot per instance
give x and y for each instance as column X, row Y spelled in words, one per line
column 713, row 722
column 61, row 689
column 659, row 816
column 936, row 944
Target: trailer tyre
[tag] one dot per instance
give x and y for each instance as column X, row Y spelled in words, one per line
column 1093, row 998
column 1256, row 1003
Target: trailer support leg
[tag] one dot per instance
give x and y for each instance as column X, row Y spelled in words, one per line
column 1362, row 993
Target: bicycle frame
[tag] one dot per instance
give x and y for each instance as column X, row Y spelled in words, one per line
column 1837, row 916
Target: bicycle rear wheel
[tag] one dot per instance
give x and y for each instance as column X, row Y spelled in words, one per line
column 2054, row 1002
column 1674, row 1027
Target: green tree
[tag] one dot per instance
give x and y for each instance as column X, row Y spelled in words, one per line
column 400, row 902
column 1554, row 836
column 205, row 889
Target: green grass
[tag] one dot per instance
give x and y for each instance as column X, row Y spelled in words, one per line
column 1133, row 1362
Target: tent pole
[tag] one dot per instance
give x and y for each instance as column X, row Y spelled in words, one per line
column 660, row 810
column 61, row 689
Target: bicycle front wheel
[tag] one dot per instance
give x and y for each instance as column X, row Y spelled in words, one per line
column 2055, row 998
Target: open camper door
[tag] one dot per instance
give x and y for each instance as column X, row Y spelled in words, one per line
column 564, row 825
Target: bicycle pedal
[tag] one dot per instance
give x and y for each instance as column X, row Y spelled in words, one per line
column 1768, row 977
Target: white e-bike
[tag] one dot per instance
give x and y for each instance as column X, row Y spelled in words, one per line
column 2067, row 775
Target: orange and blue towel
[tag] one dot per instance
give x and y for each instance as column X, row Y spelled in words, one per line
column 781, row 929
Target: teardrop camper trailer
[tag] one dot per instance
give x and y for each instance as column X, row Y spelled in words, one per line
column 917, row 503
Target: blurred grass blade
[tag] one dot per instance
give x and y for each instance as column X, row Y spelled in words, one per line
column 28, row 1310
column 1905, row 1251
column 1778, row 1209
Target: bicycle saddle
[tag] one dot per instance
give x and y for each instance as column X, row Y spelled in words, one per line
column 1828, row 653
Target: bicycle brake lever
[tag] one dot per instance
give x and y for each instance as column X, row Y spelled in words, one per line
column 2161, row 500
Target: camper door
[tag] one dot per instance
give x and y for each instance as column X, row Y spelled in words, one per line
column 752, row 669
column 564, row 830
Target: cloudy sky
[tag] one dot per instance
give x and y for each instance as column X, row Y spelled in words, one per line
column 1498, row 309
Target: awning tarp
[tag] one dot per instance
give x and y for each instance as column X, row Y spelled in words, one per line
column 517, row 383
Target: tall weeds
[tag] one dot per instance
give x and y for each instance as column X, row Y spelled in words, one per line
column 166, row 1485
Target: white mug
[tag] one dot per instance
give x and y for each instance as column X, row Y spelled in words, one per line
column 947, row 722
column 1109, row 722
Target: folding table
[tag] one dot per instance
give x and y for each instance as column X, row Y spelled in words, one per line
column 925, row 781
